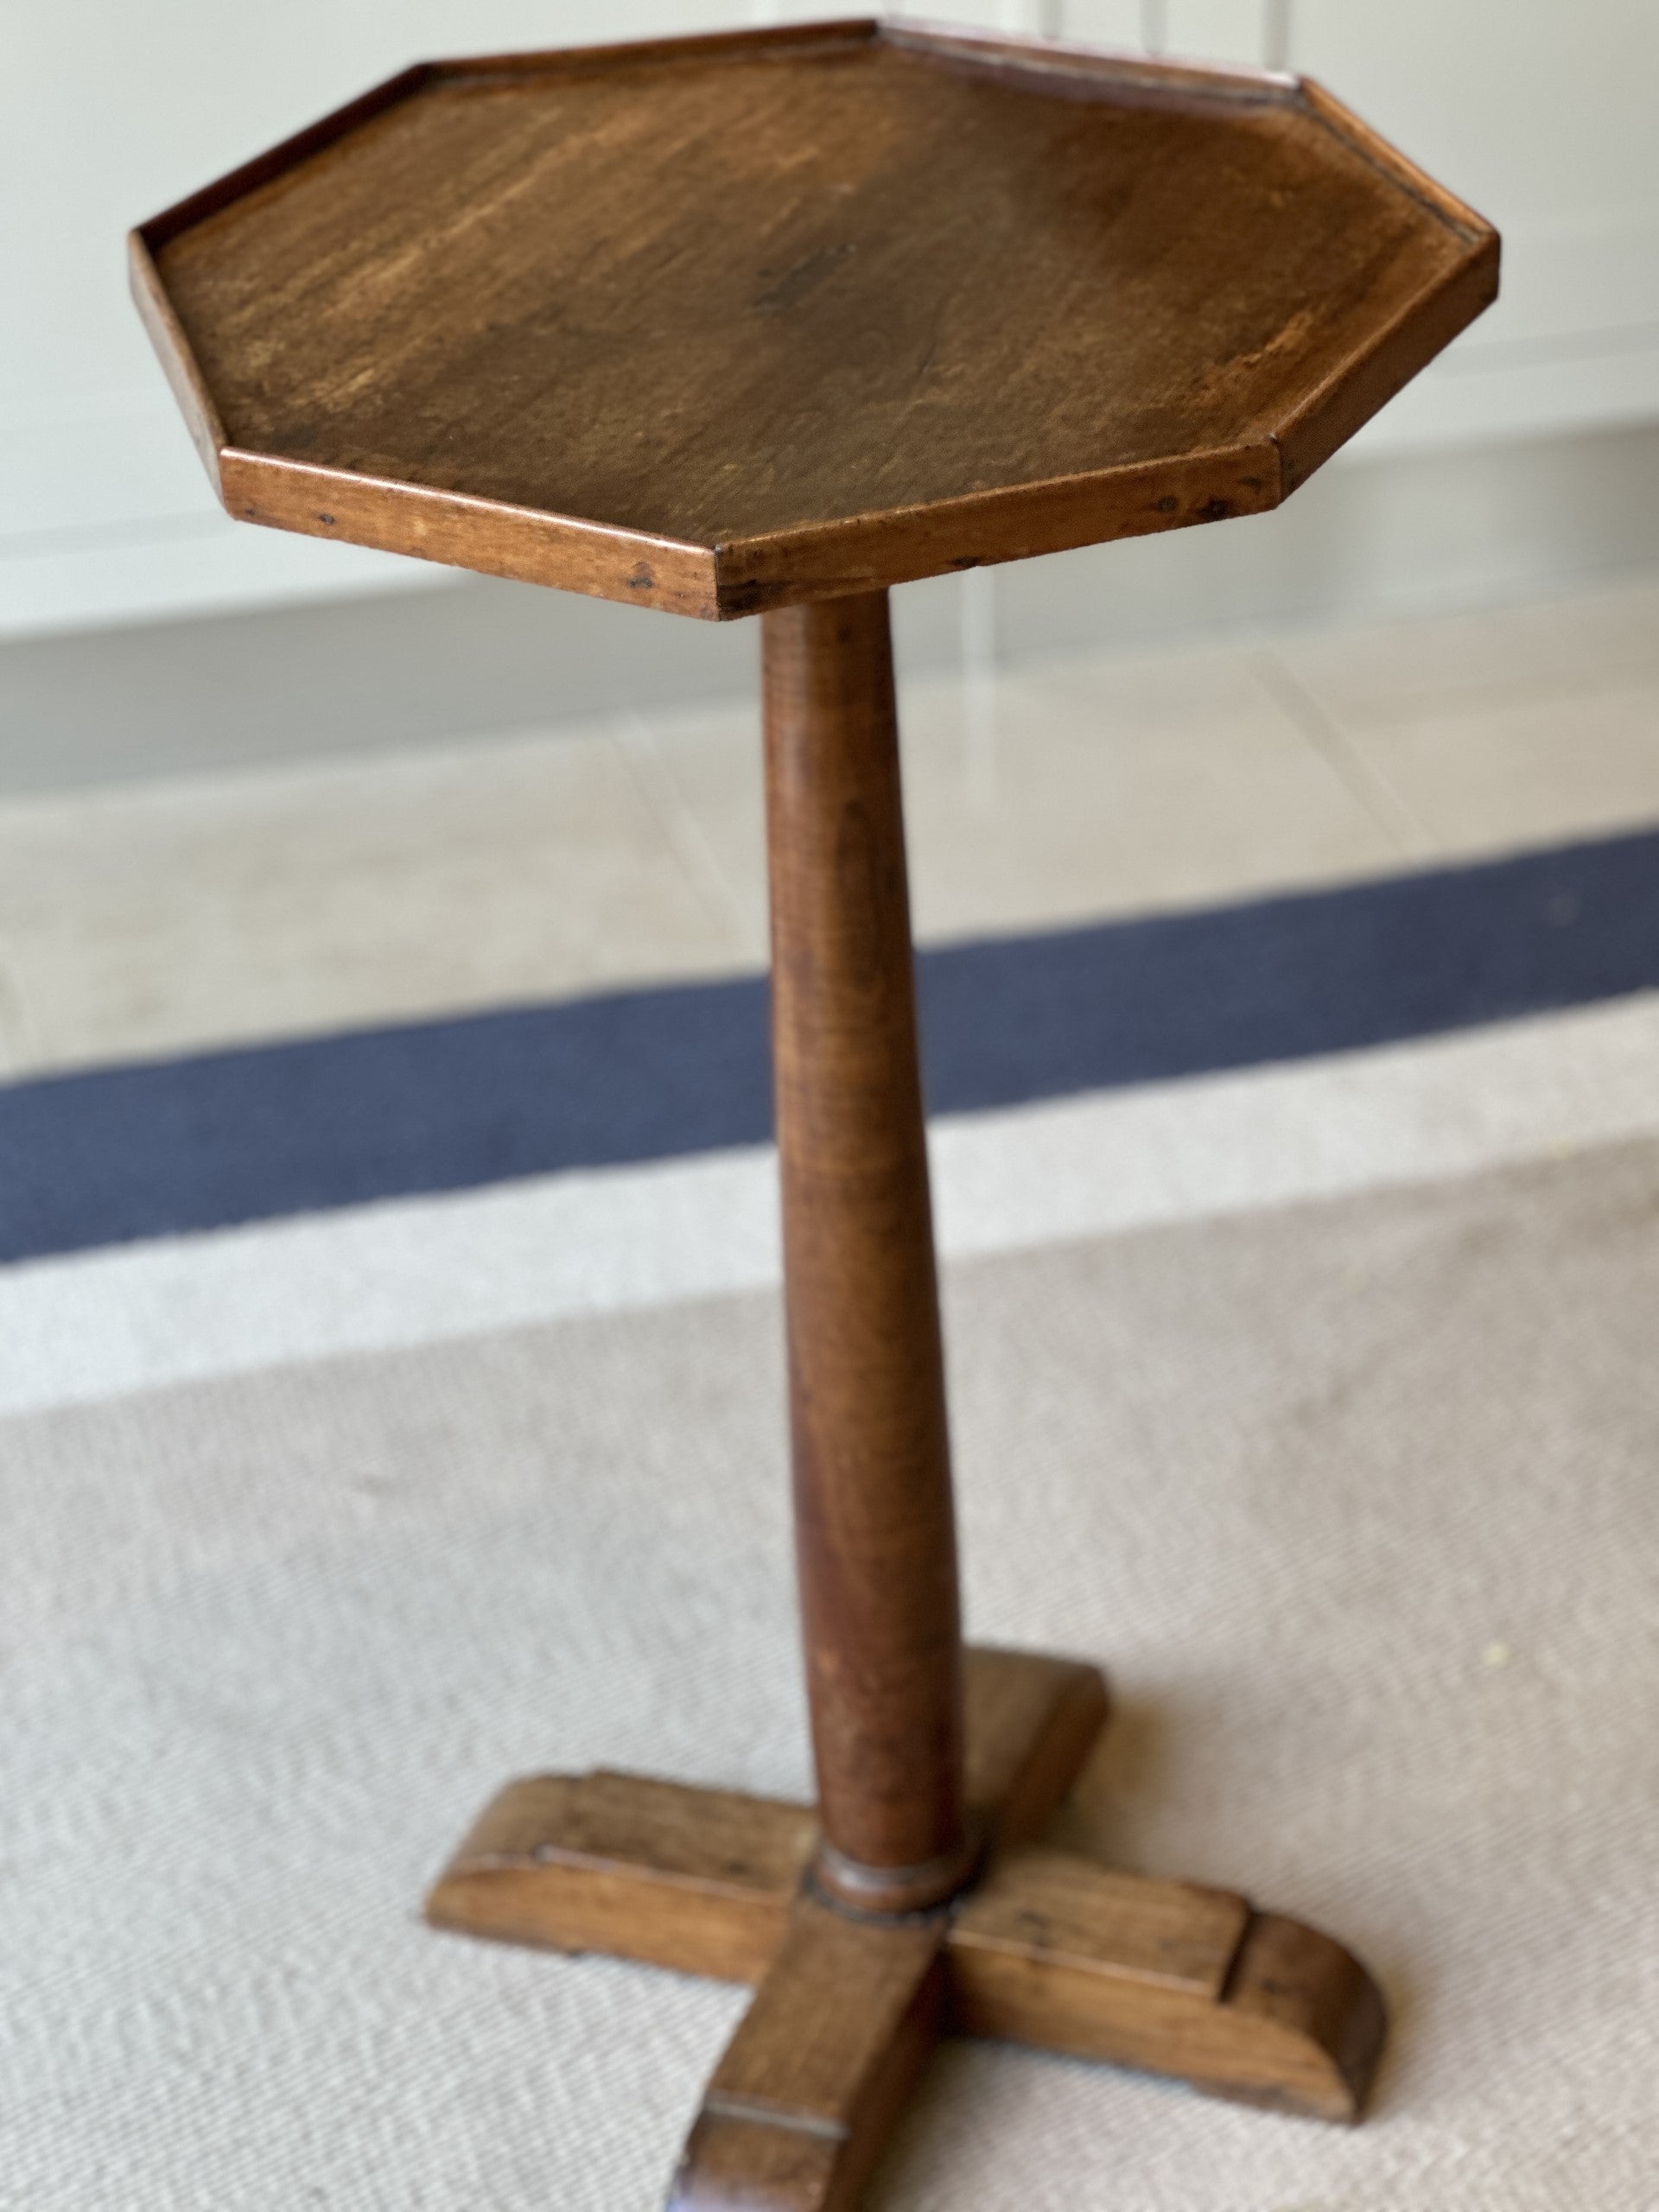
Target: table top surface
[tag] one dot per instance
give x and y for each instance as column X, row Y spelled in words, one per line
column 719, row 324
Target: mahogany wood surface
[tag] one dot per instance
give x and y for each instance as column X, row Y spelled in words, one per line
column 875, row 1535
column 801, row 2104
column 701, row 1880
column 722, row 324
column 1045, row 1948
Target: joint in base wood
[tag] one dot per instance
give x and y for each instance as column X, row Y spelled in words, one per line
column 1045, row 1948
column 894, row 1892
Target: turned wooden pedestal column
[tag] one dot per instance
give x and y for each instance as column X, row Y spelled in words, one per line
column 918, row 1901
column 874, row 1527
column 763, row 324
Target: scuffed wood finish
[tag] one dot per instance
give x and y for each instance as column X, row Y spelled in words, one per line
column 1069, row 1915
column 859, row 553
column 719, row 325
column 1168, row 1977
column 801, row 2104
column 481, row 535
column 1300, row 2029
column 700, row 1881
column 1047, row 1949
column 874, row 1527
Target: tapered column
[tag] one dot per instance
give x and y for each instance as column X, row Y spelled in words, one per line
column 874, row 1526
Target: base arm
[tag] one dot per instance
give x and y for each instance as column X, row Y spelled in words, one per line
column 1045, row 1948
column 1168, row 1977
column 700, row 1880
column 804, row 2099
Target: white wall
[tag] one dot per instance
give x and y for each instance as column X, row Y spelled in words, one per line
column 108, row 112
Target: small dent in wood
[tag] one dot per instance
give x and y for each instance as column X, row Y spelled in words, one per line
column 805, row 276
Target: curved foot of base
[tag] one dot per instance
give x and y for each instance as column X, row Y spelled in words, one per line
column 1174, row 1978
column 1306, row 2024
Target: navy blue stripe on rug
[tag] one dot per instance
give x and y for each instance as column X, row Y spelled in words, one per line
column 220, row 1138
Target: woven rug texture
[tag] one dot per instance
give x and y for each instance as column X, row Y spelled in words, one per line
column 1356, row 1500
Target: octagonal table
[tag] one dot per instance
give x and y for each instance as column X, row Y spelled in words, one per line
column 767, row 323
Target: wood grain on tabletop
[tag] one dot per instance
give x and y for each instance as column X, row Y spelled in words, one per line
column 797, row 314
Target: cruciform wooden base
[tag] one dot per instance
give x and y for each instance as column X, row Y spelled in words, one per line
column 914, row 1899
column 1044, row 1948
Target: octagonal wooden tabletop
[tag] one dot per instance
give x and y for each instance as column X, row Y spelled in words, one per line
column 721, row 324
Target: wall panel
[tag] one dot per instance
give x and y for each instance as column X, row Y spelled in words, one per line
column 1216, row 30
column 1546, row 124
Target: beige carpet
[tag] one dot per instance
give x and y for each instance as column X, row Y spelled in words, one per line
column 1357, row 1501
